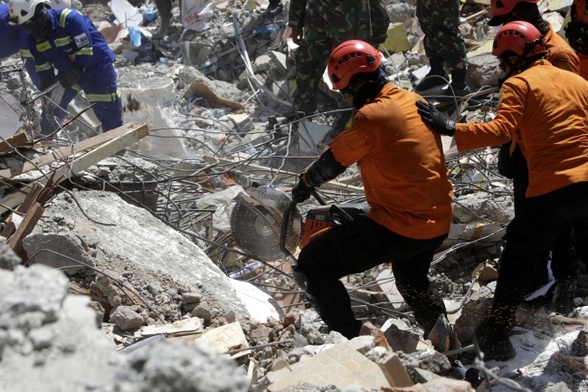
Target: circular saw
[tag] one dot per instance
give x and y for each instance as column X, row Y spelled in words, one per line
column 256, row 223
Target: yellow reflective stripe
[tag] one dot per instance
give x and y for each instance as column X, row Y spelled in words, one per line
column 62, row 41
column 25, row 53
column 63, row 16
column 111, row 97
column 43, row 46
column 44, row 67
column 87, row 51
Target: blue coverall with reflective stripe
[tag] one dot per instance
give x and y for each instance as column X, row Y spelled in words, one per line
column 74, row 39
column 15, row 40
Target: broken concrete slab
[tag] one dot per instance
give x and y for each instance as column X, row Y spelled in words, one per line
column 340, row 365
column 125, row 231
column 225, row 339
column 61, row 251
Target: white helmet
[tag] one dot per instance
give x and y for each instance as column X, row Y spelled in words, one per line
column 22, row 11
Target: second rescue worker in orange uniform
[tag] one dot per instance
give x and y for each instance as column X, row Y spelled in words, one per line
column 560, row 54
column 577, row 34
column 406, row 185
column 545, row 110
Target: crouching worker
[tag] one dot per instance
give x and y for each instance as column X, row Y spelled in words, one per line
column 406, row 185
column 66, row 41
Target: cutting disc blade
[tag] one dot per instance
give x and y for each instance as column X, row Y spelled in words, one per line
column 256, row 222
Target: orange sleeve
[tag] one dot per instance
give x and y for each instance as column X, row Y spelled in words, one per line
column 545, row 110
column 561, row 54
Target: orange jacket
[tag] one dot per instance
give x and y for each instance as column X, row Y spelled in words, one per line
column 545, row 110
column 561, row 54
column 402, row 165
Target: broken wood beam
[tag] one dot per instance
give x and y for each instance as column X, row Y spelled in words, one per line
column 79, row 164
column 25, row 228
column 13, row 141
column 64, row 152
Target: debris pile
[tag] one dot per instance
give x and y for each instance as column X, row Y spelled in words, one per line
column 122, row 267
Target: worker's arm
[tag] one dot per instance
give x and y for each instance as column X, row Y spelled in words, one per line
column 324, row 169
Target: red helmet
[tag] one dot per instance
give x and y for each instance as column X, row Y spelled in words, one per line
column 500, row 8
column 520, row 37
column 350, row 58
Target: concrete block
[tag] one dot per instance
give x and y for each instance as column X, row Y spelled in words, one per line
column 241, row 121
column 395, row 371
column 340, row 365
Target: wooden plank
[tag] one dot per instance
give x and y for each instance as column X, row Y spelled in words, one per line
column 64, row 152
column 77, row 165
column 31, row 198
column 250, row 167
column 14, row 141
column 24, row 229
column 8, row 230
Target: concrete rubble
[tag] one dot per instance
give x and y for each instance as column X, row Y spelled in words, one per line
column 119, row 265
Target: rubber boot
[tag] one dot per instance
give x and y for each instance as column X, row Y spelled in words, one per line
column 273, row 9
column 458, row 87
column 565, row 292
column 437, row 76
column 164, row 7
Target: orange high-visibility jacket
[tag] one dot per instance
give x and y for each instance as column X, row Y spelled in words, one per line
column 545, row 111
column 402, row 165
column 561, row 54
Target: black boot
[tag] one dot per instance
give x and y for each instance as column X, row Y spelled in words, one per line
column 565, row 292
column 458, row 87
column 164, row 7
column 272, row 10
column 437, row 76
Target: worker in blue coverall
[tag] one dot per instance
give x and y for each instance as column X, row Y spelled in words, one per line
column 15, row 40
column 67, row 41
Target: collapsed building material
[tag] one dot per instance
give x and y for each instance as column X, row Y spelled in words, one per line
column 104, row 145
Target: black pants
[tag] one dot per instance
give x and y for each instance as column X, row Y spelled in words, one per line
column 357, row 246
column 548, row 222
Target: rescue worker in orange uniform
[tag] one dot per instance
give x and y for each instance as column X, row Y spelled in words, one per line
column 543, row 109
column 577, row 34
column 560, row 54
column 512, row 164
column 406, row 186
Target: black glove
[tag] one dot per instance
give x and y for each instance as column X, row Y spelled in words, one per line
column 71, row 77
column 301, row 191
column 435, row 119
column 47, row 82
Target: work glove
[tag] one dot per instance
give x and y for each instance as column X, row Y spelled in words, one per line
column 47, row 82
column 302, row 190
column 435, row 119
column 71, row 77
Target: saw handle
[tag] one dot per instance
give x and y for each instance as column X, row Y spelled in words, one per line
column 286, row 223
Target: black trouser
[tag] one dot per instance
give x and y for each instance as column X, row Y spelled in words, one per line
column 357, row 246
column 564, row 263
column 547, row 220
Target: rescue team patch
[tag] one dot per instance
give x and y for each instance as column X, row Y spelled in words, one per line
column 82, row 40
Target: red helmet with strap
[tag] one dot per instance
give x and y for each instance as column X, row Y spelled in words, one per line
column 519, row 37
column 351, row 58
